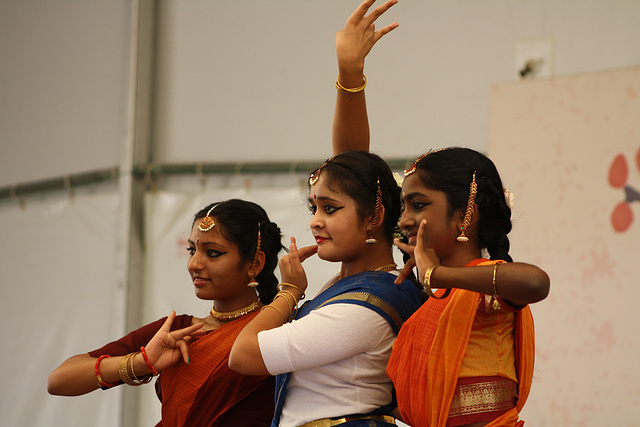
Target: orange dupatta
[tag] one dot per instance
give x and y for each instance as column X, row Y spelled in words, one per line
column 427, row 356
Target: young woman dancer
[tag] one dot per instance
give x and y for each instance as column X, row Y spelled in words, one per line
column 233, row 250
column 331, row 359
column 465, row 358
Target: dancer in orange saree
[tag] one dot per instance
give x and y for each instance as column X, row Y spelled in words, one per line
column 465, row 358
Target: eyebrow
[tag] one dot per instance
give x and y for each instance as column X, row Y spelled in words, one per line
column 414, row 194
column 325, row 199
column 208, row 244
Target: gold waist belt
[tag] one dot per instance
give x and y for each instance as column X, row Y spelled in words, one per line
column 486, row 396
column 328, row 422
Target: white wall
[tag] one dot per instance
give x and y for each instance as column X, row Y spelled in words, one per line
column 554, row 142
column 64, row 89
column 237, row 81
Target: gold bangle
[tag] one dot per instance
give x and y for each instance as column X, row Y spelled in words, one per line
column 290, row 303
column 427, row 283
column 280, row 311
column 122, row 370
column 125, row 364
column 284, row 293
column 495, row 304
column 145, row 379
column 281, row 285
column 354, row 90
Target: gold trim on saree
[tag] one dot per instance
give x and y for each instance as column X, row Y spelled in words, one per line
column 488, row 396
column 372, row 299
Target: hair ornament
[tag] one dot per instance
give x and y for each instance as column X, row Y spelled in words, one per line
column 207, row 222
column 315, row 175
column 509, row 198
column 399, row 178
column 414, row 165
column 473, row 190
column 252, row 273
column 376, row 216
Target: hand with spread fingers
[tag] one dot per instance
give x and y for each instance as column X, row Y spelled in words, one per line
column 355, row 41
column 166, row 346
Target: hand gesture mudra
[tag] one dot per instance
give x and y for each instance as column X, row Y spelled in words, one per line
column 290, row 265
column 166, row 346
column 421, row 256
column 355, row 41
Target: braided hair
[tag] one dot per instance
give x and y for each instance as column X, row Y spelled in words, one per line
column 451, row 171
column 237, row 220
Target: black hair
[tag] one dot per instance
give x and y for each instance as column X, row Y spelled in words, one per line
column 356, row 173
column 451, row 171
column 237, row 220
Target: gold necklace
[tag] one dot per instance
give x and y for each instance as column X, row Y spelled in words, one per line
column 226, row 316
column 387, row 267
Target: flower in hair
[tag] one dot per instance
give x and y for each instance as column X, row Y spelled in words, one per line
column 399, row 178
column 508, row 198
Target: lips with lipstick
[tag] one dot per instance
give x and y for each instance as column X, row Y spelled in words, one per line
column 320, row 239
column 199, row 281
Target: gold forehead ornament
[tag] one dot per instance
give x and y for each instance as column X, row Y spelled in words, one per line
column 207, row 222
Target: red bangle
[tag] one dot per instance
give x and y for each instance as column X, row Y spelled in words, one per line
column 146, row 359
column 102, row 383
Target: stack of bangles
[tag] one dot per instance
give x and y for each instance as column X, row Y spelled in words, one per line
column 354, row 90
column 126, row 371
column 290, row 298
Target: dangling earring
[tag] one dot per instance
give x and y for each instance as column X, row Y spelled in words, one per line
column 253, row 283
column 252, row 273
column 376, row 216
column 473, row 190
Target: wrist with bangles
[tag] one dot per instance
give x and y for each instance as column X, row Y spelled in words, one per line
column 343, row 89
column 290, row 298
column 126, row 370
column 427, row 283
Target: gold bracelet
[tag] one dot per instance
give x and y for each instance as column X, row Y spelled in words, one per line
column 145, row 379
column 427, row 283
column 495, row 304
column 281, row 285
column 280, row 311
column 123, row 371
column 292, row 303
column 354, row 90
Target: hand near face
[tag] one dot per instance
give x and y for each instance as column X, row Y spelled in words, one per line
column 421, row 256
column 355, row 41
column 290, row 265
column 166, row 346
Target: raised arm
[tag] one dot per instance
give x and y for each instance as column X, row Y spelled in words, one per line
column 353, row 43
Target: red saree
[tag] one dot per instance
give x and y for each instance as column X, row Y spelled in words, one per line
column 427, row 356
column 208, row 393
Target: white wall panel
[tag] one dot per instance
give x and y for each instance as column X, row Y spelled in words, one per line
column 60, row 295
column 554, row 142
column 251, row 80
column 65, row 85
